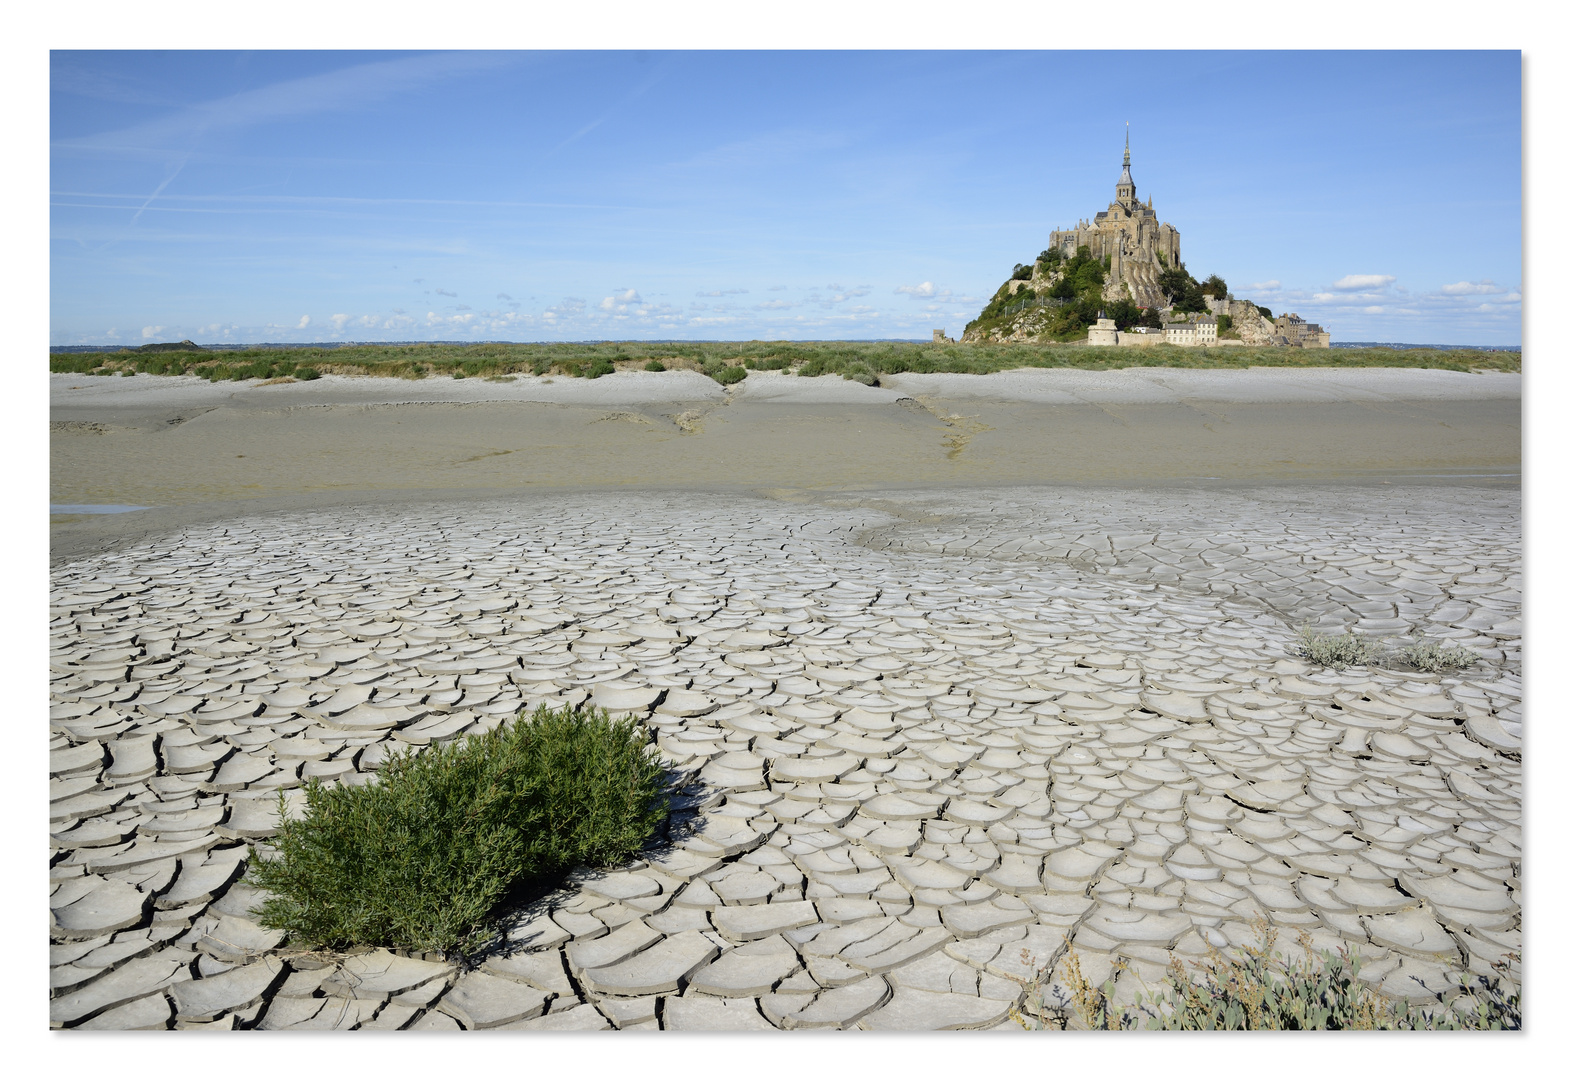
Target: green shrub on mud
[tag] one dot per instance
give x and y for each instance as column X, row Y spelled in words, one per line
column 421, row 858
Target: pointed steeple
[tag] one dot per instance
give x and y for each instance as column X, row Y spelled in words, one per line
column 1126, row 183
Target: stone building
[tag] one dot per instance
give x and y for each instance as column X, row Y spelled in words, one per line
column 1291, row 330
column 1130, row 236
column 1105, row 332
column 1195, row 332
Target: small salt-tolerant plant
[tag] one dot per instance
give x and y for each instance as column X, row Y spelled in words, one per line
column 654, row 365
column 420, row 858
column 1426, row 654
column 860, row 372
column 1338, row 650
column 1257, row 989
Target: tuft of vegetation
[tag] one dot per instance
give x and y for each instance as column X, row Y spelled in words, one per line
column 421, row 858
column 1428, row 655
column 1338, row 650
column 600, row 367
column 1258, row 990
column 654, row 365
column 802, row 357
column 725, row 376
column 1184, row 294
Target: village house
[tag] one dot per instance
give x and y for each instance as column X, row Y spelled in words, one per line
column 1291, row 330
column 1196, row 332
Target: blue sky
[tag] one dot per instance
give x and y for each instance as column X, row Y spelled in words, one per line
column 281, row 196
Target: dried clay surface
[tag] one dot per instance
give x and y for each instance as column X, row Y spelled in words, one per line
column 926, row 740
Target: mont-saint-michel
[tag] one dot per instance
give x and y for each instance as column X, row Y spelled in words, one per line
column 559, row 671
column 1119, row 279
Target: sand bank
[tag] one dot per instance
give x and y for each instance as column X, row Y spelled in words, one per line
column 180, row 444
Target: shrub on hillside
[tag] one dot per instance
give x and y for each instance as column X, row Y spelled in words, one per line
column 1124, row 313
column 654, row 365
column 420, row 858
column 599, row 368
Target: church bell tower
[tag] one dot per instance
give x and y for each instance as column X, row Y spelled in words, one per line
column 1126, row 183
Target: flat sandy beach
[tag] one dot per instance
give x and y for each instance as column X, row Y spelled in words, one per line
column 955, row 674
column 190, row 448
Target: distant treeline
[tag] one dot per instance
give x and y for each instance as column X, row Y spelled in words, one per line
column 729, row 361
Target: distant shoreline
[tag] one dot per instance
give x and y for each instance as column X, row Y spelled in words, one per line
column 225, row 346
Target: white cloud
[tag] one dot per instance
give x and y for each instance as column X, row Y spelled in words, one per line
column 924, row 289
column 1363, row 281
column 1471, row 288
column 1272, row 284
column 841, row 294
column 339, row 321
column 621, row 300
column 149, row 331
column 776, row 305
column 305, row 321
column 725, row 292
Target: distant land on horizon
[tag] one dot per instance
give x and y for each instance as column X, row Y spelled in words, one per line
column 233, row 347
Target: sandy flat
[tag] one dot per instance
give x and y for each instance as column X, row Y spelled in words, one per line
column 180, row 444
column 1159, row 386
column 1150, row 386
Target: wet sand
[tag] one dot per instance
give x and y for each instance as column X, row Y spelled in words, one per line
column 189, row 449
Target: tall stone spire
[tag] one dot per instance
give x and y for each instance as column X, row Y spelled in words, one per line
column 1126, row 183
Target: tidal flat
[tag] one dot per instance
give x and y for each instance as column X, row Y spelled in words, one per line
column 959, row 672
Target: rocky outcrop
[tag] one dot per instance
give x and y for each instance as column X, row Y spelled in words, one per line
column 1249, row 325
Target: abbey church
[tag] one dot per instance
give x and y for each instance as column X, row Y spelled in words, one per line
column 1128, row 233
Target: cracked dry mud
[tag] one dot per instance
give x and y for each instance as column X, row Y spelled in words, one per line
column 928, row 748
